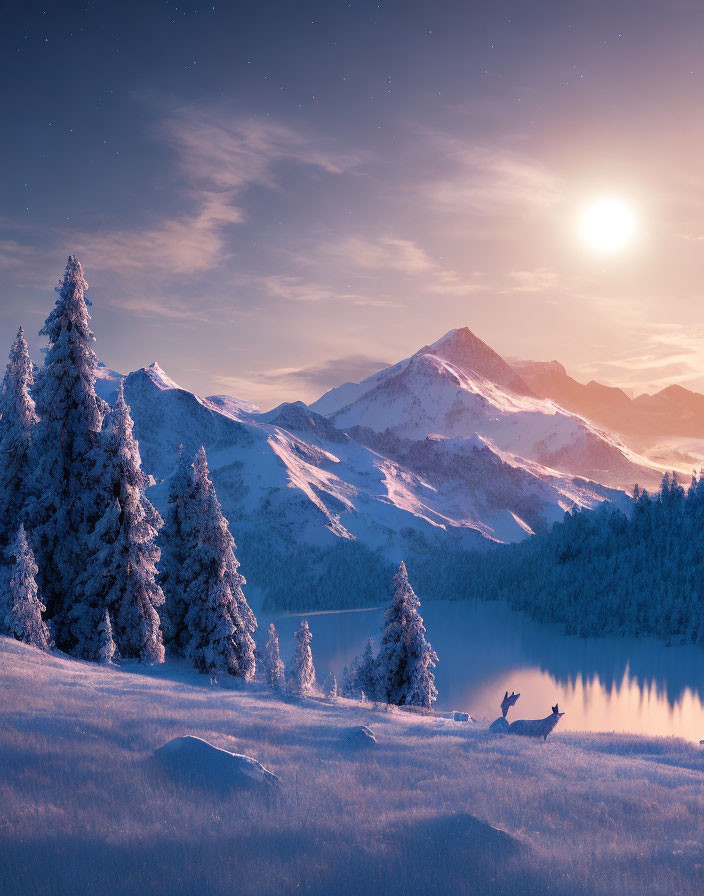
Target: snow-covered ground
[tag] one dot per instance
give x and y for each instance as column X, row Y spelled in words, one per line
column 84, row 806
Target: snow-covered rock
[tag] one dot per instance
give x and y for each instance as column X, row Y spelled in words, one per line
column 198, row 762
column 463, row 833
column 499, row 726
column 360, row 736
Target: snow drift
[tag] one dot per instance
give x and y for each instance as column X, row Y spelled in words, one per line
column 198, row 762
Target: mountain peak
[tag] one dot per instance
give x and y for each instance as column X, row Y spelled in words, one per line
column 530, row 369
column 474, row 357
column 456, row 337
column 159, row 376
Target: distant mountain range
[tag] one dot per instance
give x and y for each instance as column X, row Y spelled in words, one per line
column 668, row 426
column 448, row 449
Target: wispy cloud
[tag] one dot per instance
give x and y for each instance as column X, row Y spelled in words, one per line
column 307, row 383
column 486, row 179
column 230, row 153
column 537, row 280
column 667, row 353
column 189, row 244
column 156, row 306
column 220, row 158
column 293, row 288
column 13, row 254
column 691, row 237
column 398, row 256
column 290, row 287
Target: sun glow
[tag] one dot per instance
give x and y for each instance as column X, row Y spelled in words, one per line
column 607, row 225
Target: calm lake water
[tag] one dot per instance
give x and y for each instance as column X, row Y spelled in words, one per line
column 602, row 684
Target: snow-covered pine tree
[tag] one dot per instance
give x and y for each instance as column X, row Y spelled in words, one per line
column 24, row 619
column 18, row 419
column 330, row 686
column 406, row 659
column 423, row 690
column 349, row 687
column 300, row 675
column 70, row 418
column 177, row 543
column 219, row 620
column 106, row 644
column 273, row 665
column 368, row 674
column 120, row 569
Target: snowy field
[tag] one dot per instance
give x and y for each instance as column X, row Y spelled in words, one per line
column 85, row 808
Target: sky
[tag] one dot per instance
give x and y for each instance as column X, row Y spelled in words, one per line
column 272, row 198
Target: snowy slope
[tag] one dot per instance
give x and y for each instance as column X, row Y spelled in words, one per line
column 296, row 473
column 446, row 450
column 460, row 347
column 478, row 394
column 667, row 427
column 87, row 810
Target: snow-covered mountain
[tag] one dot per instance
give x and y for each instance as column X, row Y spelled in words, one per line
column 673, row 411
column 300, row 472
column 458, row 388
column 446, row 450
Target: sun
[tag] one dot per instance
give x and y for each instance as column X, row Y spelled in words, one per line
column 607, row 224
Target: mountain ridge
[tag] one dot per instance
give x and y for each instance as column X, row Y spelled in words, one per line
column 431, row 458
column 674, row 411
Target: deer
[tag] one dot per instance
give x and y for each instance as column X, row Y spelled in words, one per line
column 536, row 727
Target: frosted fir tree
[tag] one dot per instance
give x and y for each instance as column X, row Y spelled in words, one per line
column 71, row 416
column 406, row 659
column 300, row 675
column 219, row 620
column 24, row 620
column 330, row 686
column 18, row 420
column 177, row 541
column 120, row 571
column 106, row 644
column 273, row 665
column 350, row 680
column 368, row 674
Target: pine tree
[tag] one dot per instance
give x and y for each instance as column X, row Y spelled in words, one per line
column 300, row 674
column 219, row 620
column 18, row 419
column 330, row 686
column 106, row 644
column 71, row 416
column 273, row 666
column 350, row 680
column 406, row 659
column 177, row 542
column 120, row 574
column 24, row 620
column 368, row 674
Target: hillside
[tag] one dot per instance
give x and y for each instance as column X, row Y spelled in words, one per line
column 431, row 462
column 609, row 573
column 434, row 806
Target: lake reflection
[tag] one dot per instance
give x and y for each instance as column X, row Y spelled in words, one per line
column 603, row 684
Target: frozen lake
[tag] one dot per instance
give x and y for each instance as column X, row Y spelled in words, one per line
column 602, row 684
